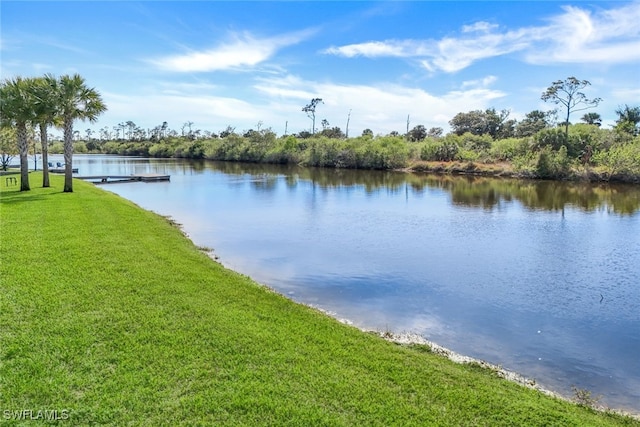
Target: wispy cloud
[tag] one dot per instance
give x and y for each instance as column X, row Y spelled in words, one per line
column 242, row 51
column 385, row 105
column 480, row 26
column 210, row 112
column 278, row 101
column 481, row 83
column 576, row 35
column 581, row 36
column 399, row 48
column 454, row 54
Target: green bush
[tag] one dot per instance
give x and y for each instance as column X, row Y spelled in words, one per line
column 322, row 152
column 552, row 163
column 466, row 155
column 80, row 147
column 394, row 150
column 190, row 150
column 508, row 149
column 56, row 148
column 476, row 143
column 285, row 150
column 548, row 138
column 620, row 159
column 161, row 150
column 110, row 147
column 442, row 150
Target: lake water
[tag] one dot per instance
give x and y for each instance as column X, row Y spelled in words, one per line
column 542, row 278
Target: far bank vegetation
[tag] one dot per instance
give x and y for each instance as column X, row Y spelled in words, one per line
column 544, row 144
column 586, row 151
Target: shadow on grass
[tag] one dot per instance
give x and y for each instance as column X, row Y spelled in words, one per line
column 8, row 197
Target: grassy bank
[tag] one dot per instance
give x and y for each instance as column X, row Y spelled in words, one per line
column 109, row 313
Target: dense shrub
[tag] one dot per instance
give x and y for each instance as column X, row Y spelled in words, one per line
column 285, row 150
column 548, row 154
column 549, row 138
column 190, row 150
column 508, row 149
column 442, row 150
column 56, row 148
column 620, row 159
column 473, row 142
column 80, row 147
column 161, row 150
column 552, row 163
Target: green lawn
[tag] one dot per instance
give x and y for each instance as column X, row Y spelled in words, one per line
column 109, row 313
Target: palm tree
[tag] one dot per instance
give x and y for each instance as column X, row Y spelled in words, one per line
column 75, row 101
column 46, row 114
column 592, row 119
column 16, row 110
column 628, row 119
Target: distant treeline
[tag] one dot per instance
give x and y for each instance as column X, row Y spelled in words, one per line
column 585, row 152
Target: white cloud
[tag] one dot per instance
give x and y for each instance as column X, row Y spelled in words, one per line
column 576, row 35
column 383, row 108
column 480, row 26
column 626, row 93
column 243, row 50
column 456, row 54
column 580, row 36
column 277, row 102
column 486, row 81
column 182, row 88
column 208, row 112
column 374, row 49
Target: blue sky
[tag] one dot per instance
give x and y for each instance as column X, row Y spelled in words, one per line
column 243, row 63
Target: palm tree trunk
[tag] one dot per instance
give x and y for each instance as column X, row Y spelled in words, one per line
column 68, row 155
column 23, row 147
column 45, row 155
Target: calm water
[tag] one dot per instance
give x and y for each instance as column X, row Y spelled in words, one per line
column 542, row 278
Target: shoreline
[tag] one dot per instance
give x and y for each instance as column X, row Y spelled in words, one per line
column 410, row 338
column 413, row 338
column 504, row 170
column 455, row 167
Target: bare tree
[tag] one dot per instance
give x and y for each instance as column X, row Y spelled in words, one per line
column 310, row 109
column 130, row 129
column 347, row 129
column 123, row 125
column 408, row 122
column 568, row 94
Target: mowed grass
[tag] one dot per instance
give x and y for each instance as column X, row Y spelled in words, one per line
column 108, row 312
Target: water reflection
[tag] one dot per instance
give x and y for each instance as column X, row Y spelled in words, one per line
column 478, row 192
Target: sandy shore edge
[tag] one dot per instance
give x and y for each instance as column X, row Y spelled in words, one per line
column 409, row 338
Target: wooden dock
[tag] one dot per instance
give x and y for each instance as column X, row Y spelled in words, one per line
column 61, row 170
column 112, row 179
